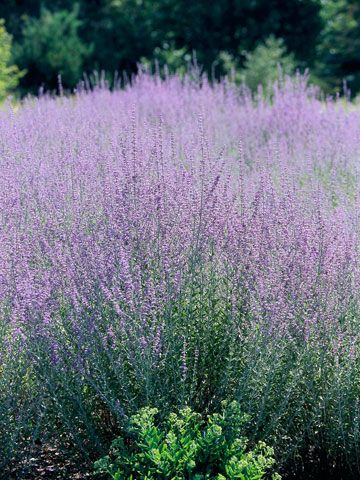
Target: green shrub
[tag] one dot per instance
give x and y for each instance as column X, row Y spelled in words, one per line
column 51, row 46
column 187, row 447
column 9, row 74
column 266, row 64
column 175, row 60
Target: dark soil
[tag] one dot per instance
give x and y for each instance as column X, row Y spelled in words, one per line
column 47, row 462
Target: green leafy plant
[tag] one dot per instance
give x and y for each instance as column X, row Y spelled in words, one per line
column 176, row 60
column 267, row 62
column 187, row 447
column 51, row 46
column 264, row 65
column 9, row 74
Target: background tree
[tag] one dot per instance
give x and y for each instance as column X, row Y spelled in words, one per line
column 50, row 46
column 234, row 26
column 339, row 48
column 122, row 31
column 268, row 62
column 52, row 37
column 9, row 74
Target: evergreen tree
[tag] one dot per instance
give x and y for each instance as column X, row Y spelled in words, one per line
column 124, row 31
column 339, row 49
column 50, row 46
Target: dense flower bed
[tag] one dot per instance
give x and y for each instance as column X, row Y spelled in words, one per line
column 176, row 243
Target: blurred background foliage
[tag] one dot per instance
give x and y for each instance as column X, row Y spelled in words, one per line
column 249, row 37
column 9, row 74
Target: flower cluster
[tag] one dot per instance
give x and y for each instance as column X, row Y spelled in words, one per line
column 177, row 243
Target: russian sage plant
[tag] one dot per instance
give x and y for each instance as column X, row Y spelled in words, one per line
column 175, row 244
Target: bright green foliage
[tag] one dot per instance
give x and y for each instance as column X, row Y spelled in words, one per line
column 175, row 60
column 263, row 66
column 266, row 63
column 186, row 447
column 51, row 46
column 9, row 74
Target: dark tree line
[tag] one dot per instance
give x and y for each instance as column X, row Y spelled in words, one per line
column 60, row 36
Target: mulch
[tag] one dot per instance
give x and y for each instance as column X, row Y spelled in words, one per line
column 47, row 462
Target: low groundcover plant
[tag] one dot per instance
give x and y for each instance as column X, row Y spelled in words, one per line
column 186, row 447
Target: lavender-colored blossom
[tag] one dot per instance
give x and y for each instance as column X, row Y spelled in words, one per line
column 177, row 241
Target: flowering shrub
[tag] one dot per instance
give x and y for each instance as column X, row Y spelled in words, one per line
column 187, row 447
column 176, row 243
